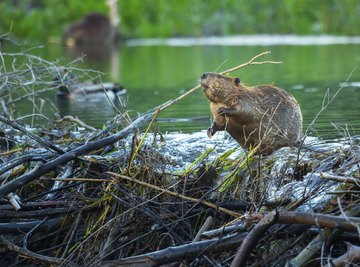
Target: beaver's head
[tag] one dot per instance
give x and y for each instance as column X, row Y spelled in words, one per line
column 216, row 86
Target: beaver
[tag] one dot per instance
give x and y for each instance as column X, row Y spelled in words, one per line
column 93, row 30
column 263, row 115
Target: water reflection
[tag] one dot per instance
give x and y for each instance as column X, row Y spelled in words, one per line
column 96, row 36
column 98, row 107
column 92, row 54
column 105, row 57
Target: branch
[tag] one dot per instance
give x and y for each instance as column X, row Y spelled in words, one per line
column 317, row 219
column 252, row 238
column 21, row 227
column 251, row 62
column 341, row 179
column 226, row 72
column 179, row 253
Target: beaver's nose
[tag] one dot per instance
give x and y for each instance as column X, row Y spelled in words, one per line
column 203, row 76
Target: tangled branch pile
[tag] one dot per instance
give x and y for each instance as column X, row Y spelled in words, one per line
column 116, row 197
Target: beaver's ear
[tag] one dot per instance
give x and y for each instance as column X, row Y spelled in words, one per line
column 237, row 81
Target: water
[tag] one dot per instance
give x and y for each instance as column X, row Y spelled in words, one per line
column 156, row 71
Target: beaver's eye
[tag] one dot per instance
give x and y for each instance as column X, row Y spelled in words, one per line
column 237, row 81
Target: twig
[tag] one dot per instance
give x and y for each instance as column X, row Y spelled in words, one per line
column 226, row 72
column 326, row 102
column 209, row 222
column 26, row 237
column 224, row 230
column 338, row 178
column 252, row 62
column 72, row 235
column 80, row 179
column 77, row 121
column 206, row 203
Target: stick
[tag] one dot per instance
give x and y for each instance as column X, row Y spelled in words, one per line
column 206, row 203
column 209, row 222
column 341, row 179
column 179, row 253
column 316, row 219
column 22, row 227
column 252, row 238
column 77, row 121
column 226, row 72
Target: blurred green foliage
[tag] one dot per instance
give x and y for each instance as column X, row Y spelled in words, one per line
column 41, row 19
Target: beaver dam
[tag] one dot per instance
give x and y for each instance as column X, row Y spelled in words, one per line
column 128, row 195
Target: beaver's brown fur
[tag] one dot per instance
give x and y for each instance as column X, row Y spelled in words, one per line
column 265, row 115
column 93, row 30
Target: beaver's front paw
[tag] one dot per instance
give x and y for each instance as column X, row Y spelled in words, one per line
column 211, row 131
column 226, row 111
